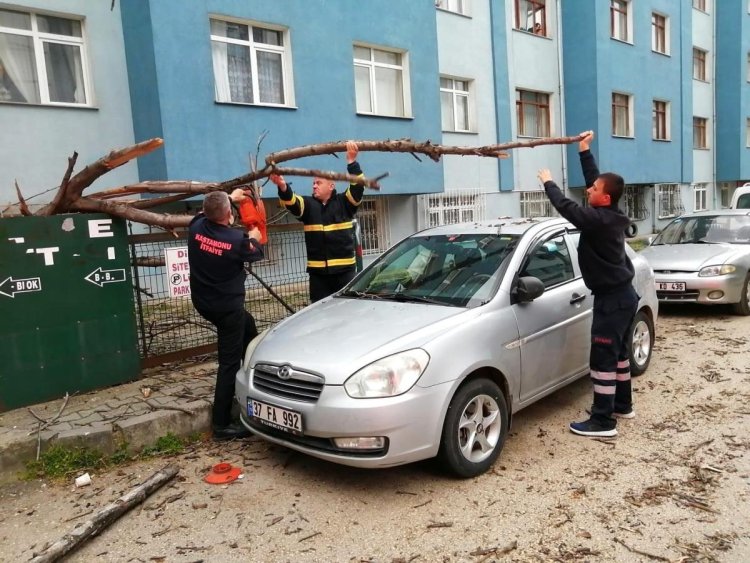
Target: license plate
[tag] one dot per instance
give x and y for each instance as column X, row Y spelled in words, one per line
column 670, row 286
column 276, row 417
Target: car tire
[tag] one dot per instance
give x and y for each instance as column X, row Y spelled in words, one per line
column 743, row 306
column 631, row 230
column 464, row 451
column 641, row 341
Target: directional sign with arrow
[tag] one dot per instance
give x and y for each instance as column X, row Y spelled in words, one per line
column 9, row 287
column 100, row 277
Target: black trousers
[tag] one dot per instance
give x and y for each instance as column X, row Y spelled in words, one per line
column 235, row 330
column 610, row 353
column 323, row 285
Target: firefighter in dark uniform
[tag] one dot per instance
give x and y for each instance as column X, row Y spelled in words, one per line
column 329, row 231
column 608, row 273
column 217, row 254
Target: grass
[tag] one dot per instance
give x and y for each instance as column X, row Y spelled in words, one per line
column 60, row 462
column 637, row 244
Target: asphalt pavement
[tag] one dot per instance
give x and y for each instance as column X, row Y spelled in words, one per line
column 172, row 398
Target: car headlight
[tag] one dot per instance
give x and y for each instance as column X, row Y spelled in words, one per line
column 251, row 348
column 389, row 376
column 709, row 271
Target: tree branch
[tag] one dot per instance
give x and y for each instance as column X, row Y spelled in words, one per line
column 130, row 213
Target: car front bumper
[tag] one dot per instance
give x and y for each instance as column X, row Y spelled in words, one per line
column 410, row 423
column 714, row 290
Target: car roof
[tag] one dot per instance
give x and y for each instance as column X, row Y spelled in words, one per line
column 715, row 212
column 501, row 225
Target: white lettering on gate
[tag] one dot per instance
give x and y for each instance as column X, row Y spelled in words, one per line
column 48, row 252
column 99, row 228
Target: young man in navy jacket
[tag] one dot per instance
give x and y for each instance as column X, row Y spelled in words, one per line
column 608, row 273
column 217, row 254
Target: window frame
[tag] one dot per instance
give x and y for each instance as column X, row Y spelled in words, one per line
column 371, row 65
column 38, row 41
column 373, row 212
column 285, row 50
column 747, row 132
column 538, row 16
column 700, row 132
column 700, row 5
column 535, row 203
column 700, row 57
column 669, row 193
column 660, row 127
column 462, row 7
column 664, row 36
column 544, row 109
column 568, row 272
column 455, row 93
column 700, row 192
column 629, row 134
column 625, row 15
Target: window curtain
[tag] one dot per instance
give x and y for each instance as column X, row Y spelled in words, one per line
column 17, row 58
column 221, row 71
column 270, row 77
column 64, row 73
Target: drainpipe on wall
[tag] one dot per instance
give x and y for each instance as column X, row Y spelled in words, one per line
column 713, row 111
column 561, row 93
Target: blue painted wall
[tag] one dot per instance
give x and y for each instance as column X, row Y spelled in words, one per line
column 169, row 55
column 503, row 104
column 596, row 65
column 732, row 92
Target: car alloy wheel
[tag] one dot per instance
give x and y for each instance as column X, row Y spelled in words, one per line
column 475, row 428
column 743, row 306
column 641, row 343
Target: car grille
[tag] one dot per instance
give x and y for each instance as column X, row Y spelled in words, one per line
column 690, row 295
column 325, row 445
column 285, row 381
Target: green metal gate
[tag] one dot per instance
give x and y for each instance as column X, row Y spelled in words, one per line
column 66, row 304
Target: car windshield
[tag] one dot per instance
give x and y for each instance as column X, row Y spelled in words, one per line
column 706, row 229
column 457, row 270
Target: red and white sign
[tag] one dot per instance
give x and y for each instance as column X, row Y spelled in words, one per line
column 178, row 271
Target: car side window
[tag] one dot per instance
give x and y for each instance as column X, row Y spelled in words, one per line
column 550, row 261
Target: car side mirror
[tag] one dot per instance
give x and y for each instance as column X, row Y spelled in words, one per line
column 527, row 289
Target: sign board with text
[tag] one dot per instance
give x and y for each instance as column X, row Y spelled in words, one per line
column 66, row 300
column 178, row 271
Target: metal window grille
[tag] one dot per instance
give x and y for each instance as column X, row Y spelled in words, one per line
column 373, row 223
column 725, row 190
column 699, row 197
column 536, row 204
column 669, row 200
column 633, row 202
column 451, row 207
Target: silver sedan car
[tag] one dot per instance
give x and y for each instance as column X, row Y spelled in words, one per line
column 704, row 258
column 430, row 349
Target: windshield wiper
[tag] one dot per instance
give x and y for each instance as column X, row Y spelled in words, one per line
column 360, row 294
column 407, row 298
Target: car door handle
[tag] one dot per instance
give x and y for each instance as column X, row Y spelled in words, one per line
column 577, row 298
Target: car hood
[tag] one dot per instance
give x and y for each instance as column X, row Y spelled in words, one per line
column 337, row 336
column 687, row 257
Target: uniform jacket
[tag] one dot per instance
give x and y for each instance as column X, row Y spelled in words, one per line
column 217, row 256
column 605, row 266
column 329, row 232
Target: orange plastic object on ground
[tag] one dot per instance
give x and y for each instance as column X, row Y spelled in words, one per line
column 222, row 473
column 253, row 215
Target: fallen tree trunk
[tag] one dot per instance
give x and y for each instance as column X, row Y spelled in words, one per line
column 105, row 516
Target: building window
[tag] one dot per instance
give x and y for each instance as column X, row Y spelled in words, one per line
column 699, row 64
column 725, row 191
column 536, row 204
column 532, row 110
column 454, row 104
column 621, row 115
column 699, row 133
column 668, row 197
column 372, row 216
column 618, row 19
column 531, row 15
column 747, row 133
column 659, row 35
column 661, row 120
column 634, row 202
column 451, row 207
column 699, row 5
column 380, row 82
column 42, row 59
column 699, row 197
column 251, row 63
column 748, row 68
column 457, row 6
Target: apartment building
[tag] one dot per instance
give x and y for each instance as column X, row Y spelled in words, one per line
column 664, row 83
